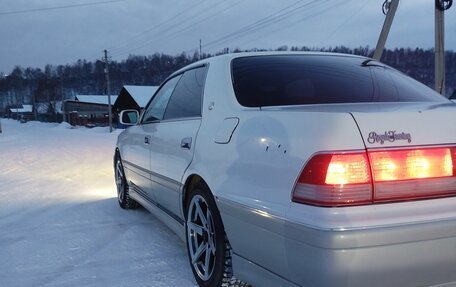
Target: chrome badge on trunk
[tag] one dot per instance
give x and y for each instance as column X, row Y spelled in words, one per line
column 390, row 136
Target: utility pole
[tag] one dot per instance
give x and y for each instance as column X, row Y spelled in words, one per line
column 201, row 55
column 62, row 107
column 439, row 51
column 108, row 90
column 389, row 8
column 34, row 107
column 440, row 7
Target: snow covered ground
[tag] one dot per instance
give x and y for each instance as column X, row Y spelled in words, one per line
column 60, row 224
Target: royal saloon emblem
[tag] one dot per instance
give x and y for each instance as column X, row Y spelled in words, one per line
column 390, row 136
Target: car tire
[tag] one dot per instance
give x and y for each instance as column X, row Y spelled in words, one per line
column 123, row 195
column 207, row 245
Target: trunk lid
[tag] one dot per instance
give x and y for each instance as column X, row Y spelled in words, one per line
column 407, row 125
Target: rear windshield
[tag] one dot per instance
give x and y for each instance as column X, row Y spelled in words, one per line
column 321, row 79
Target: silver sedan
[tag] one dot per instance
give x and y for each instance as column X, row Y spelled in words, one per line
column 298, row 169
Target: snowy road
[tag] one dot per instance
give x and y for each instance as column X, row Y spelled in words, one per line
column 60, row 224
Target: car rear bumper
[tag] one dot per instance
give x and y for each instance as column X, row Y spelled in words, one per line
column 413, row 255
column 419, row 254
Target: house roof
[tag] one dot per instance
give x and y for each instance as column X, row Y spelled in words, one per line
column 24, row 109
column 141, row 94
column 95, row 99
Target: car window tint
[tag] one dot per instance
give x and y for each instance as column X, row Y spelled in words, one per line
column 312, row 79
column 187, row 97
column 393, row 86
column 156, row 108
column 297, row 80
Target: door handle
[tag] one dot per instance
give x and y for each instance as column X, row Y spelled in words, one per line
column 146, row 140
column 186, row 143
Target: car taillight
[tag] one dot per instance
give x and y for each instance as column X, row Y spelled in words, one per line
column 365, row 177
column 413, row 174
column 335, row 180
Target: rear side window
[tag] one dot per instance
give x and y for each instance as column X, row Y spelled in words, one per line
column 393, row 86
column 187, row 98
column 317, row 79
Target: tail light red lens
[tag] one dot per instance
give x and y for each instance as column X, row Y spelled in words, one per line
column 348, row 169
column 413, row 174
column 356, row 178
column 411, row 164
column 335, row 180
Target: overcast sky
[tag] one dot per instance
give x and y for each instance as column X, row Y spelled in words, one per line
column 34, row 33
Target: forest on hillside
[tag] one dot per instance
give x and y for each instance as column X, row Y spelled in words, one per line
column 54, row 83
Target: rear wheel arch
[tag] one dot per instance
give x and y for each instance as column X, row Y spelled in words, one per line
column 190, row 183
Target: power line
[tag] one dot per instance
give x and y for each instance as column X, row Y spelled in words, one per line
column 167, row 35
column 58, row 7
column 276, row 17
column 166, row 32
column 206, row 18
column 140, row 36
column 301, row 20
column 260, row 24
column 168, row 24
column 357, row 11
column 273, row 18
column 248, row 27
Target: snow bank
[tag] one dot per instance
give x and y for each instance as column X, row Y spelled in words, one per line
column 64, row 125
column 59, row 219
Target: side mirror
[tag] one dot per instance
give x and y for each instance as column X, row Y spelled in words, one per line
column 129, row 117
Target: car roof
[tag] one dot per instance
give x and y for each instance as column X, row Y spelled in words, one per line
column 229, row 57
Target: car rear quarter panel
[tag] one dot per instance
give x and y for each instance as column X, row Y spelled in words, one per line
column 268, row 149
column 257, row 169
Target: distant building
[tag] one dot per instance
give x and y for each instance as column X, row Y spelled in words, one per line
column 88, row 110
column 22, row 112
column 133, row 97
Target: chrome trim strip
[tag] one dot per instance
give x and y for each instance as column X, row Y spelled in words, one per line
column 277, row 219
column 129, row 163
column 245, row 208
column 257, row 222
column 136, row 169
column 172, row 120
column 158, row 178
column 411, row 147
column 167, row 182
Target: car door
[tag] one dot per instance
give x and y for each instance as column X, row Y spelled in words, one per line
column 141, row 135
column 173, row 140
column 136, row 157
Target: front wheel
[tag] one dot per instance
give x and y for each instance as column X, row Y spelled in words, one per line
column 206, row 241
column 123, row 196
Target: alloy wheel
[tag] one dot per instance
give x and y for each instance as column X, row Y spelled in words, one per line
column 201, row 237
column 120, row 182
